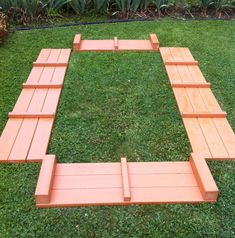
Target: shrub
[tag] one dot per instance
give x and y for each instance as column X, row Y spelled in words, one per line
column 3, row 27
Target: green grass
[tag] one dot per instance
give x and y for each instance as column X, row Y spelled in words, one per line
column 114, row 105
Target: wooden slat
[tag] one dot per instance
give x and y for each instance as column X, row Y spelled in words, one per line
column 182, row 62
column 213, row 139
column 42, row 86
column 190, row 85
column 23, row 141
column 125, row 180
column 204, row 114
column 154, row 41
column 43, row 189
column 49, row 64
column 40, row 140
column 115, row 43
column 203, row 175
column 196, row 137
column 8, row 137
column 29, row 115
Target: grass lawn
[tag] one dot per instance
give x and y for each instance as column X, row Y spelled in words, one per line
column 114, row 105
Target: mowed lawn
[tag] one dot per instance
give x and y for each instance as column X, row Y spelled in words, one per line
column 115, row 105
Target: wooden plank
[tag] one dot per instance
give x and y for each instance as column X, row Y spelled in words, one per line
column 204, row 114
column 116, row 181
column 203, row 175
column 23, row 141
column 43, row 189
column 190, row 85
column 115, row 43
column 44, row 54
column 8, row 137
column 54, row 56
column 227, row 135
column 125, row 180
column 49, row 64
column 134, row 168
column 40, row 140
column 173, row 74
column 213, row 139
column 182, row 100
column 77, row 42
column 154, row 41
column 92, row 197
column 28, row 115
column 64, row 56
column 51, row 101
column 182, row 62
column 196, row 137
column 41, row 85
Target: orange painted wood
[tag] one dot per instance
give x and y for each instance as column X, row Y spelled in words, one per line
column 42, row 85
column 43, row 189
column 203, row 175
column 196, row 137
column 115, row 43
column 8, row 137
column 23, row 141
column 102, row 184
column 49, row 64
column 28, row 129
column 154, row 41
column 227, row 135
column 31, row 115
column 77, row 42
column 40, row 141
column 213, row 139
column 125, row 180
column 204, row 114
column 190, row 85
column 181, row 62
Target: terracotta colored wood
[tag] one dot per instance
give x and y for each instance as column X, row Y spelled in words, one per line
column 45, row 64
column 204, row 114
column 154, row 41
column 125, row 180
column 181, row 62
column 43, row 189
column 102, row 184
column 190, row 85
column 42, row 86
column 31, row 115
column 196, row 137
column 203, row 175
column 116, row 45
column 40, row 141
column 77, row 42
column 28, row 130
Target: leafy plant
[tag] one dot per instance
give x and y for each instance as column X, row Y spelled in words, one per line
column 3, row 27
column 78, row 5
column 56, row 4
column 162, row 4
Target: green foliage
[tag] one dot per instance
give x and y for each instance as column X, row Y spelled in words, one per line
column 160, row 4
column 3, row 27
column 78, row 5
column 56, row 4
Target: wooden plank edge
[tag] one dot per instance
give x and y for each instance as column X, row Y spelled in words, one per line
column 204, row 114
column 49, row 64
column 44, row 184
column 77, row 42
column 30, row 115
column 154, row 41
column 181, row 63
column 115, row 43
column 125, row 180
column 190, row 85
column 42, row 86
column 204, row 177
